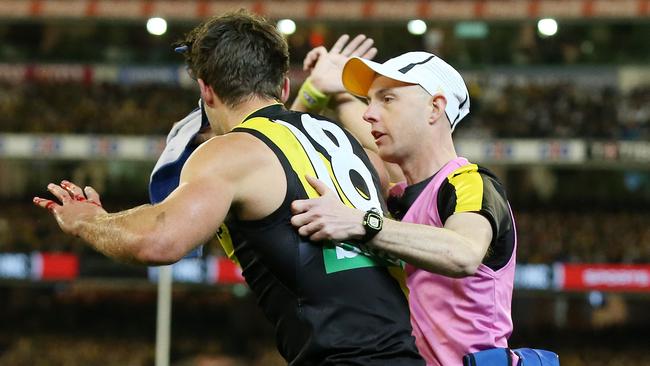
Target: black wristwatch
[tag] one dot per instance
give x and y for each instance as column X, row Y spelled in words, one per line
column 372, row 223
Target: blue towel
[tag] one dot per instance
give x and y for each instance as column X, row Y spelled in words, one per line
column 166, row 174
column 502, row 357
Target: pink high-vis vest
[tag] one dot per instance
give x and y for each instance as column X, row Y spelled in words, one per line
column 455, row 316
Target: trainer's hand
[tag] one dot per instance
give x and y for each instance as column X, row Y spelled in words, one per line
column 76, row 205
column 327, row 66
column 326, row 217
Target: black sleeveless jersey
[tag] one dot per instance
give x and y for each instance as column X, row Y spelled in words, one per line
column 329, row 304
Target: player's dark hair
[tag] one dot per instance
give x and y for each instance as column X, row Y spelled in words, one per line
column 240, row 55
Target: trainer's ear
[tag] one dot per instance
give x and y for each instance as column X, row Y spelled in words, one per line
column 286, row 89
column 438, row 104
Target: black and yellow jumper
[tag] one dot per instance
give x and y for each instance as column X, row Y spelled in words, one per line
column 329, row 306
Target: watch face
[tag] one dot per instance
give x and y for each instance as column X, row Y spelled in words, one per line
column 374, row 222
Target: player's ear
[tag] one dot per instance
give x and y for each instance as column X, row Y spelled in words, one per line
column 286, row 89
column 207, row 94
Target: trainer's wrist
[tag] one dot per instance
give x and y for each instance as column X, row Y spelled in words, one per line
column 372, row 224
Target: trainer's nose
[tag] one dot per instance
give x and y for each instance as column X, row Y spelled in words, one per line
column 371, row 114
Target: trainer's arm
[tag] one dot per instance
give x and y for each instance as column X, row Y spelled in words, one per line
column 151, row 234
column 456, row 250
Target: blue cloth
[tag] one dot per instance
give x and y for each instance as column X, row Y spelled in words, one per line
column 501, row 357
column 165, row 176
column 536, row 357
column 489, row 357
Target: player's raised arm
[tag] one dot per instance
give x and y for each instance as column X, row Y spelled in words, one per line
column 325, row 68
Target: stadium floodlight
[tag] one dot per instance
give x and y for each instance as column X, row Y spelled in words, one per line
column 416, row 26
column 286, row 26
column 157, row 26
column 547, row 27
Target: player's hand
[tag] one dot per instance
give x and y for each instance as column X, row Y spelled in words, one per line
column 76, row 205
column 326, row 67
column 326, row 217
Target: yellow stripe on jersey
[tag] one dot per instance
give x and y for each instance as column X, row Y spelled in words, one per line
column 469, row 188
column 285, row 140
column 399, row 274
column 361, row 193
column 342, row 195
column 223, row 235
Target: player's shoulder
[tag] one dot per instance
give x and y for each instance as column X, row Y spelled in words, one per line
column 230, row 142
column 231, row 154
column 284, row 115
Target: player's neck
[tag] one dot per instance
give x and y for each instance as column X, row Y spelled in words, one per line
column 235, row 116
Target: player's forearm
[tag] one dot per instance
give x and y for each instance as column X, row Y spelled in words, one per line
column 129, row 236
column 436, row 250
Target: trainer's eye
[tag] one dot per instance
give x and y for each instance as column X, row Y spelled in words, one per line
column 388, row 99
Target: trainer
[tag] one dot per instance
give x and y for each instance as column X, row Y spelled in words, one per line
column 457, row 232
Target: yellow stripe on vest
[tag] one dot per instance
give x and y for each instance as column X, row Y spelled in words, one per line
column 398, row 273
column 342, row 195
column 469, row 188
column 223, row 235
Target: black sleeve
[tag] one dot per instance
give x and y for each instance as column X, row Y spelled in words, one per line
column 491, row 203
column 446, row 201
column 487, row 199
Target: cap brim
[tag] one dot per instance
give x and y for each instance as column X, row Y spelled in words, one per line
column 359, row 73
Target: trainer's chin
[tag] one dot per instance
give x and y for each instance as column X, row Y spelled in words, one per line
column 385, row 153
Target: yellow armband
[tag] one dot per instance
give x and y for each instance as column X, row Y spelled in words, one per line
column 312, row 98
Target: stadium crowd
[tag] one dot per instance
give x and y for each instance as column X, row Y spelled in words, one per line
column 560, row 110
column 514, row 110
column 92, row 109
column 583, row 237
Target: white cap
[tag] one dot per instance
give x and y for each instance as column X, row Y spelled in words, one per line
column 422, row 68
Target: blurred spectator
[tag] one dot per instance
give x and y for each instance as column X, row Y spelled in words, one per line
column 98, row 108
column 560, row 110
column 588, row 237
column 513, row 110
